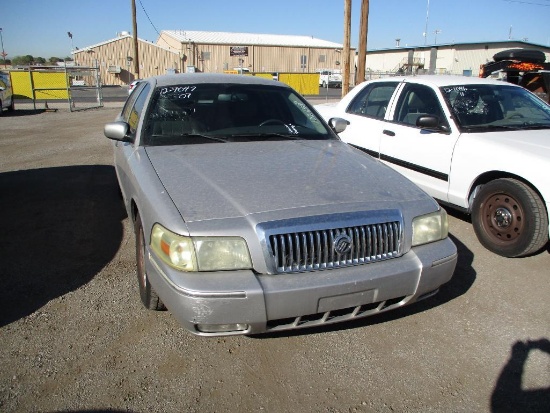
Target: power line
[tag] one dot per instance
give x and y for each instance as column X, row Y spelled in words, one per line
column 151, row 22
column 148, row 18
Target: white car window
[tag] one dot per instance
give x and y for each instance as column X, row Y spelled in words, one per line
column 416, row 101
column 373, row 100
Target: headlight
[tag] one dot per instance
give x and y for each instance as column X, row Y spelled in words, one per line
column 430, row 228
column 200, row 253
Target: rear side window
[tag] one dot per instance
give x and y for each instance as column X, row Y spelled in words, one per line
column 373, row 100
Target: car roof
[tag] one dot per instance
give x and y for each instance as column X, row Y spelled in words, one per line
column 198, row 78
column 445, row 80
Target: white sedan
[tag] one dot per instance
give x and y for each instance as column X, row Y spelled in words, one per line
column 478, row 145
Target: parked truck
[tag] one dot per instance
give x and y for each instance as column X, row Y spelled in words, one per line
column 524, row 67
column 330, row 78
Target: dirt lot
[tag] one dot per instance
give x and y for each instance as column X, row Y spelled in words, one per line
column 74, row 336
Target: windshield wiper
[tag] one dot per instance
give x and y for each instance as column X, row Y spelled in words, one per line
column 181, row 139
column 491, row 128
column 264, row 135
column 199, row 135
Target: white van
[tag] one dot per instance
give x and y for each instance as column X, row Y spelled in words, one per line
column 6, row 93
column 330, row 78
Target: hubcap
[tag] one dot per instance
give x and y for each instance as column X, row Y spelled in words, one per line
column 502, row 218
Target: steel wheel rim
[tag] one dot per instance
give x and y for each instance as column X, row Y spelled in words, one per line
column 503, row 218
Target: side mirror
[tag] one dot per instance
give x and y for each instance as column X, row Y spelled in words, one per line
column 117, row 131
column 431, row 123
column 338, row 125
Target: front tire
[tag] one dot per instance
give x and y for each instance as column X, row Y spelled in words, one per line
column 509, row 218
column 149, row 296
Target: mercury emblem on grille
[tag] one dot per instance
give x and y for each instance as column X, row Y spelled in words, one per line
column 342, row 244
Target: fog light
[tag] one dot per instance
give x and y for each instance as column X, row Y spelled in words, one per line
column 221, row 328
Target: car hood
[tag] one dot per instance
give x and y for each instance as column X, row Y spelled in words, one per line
column 535, row 142
column 229, row 180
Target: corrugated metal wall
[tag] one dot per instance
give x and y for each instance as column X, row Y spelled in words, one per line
column 217, row 58
column 153, row 60
column 450, row 59
column 157, row 58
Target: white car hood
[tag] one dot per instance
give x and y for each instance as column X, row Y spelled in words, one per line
column 535, row 143
column 227, row 180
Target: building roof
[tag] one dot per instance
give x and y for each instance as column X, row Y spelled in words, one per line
column 249, row 39
column 493, row 43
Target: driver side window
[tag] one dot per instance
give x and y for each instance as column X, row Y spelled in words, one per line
column 133, row 108
column 416, row 101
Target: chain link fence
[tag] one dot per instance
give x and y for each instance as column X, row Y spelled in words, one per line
column 47, row 86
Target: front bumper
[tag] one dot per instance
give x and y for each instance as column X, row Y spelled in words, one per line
column 269, row 303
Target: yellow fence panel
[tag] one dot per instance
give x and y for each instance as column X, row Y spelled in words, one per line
column 50, row 81
column 21, row 84
column 54, row 85
column 303, row 83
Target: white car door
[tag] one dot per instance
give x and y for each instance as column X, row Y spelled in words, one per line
column 365, row 114
column 422, row 155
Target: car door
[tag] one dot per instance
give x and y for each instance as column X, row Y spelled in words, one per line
column 366, row 113
column 131, row 114
column 422, row 155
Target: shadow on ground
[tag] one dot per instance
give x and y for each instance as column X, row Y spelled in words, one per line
column 60, row 227
column 23, row 112
column 509, row 394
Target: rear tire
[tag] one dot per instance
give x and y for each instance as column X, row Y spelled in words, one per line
column 149, row 296
column 509, row 218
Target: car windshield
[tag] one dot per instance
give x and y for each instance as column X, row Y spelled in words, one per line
column 221, row 112
column 486, row 108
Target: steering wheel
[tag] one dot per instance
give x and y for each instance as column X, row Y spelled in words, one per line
column 516, row 116
column 271, row 122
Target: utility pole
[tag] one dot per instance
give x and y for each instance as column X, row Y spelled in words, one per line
column 425, row 34
column 363, row 30
column 346, row 51
column 134, row 29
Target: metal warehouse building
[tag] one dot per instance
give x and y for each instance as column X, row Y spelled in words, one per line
column 182, row 51
column 455, row 59
column 114, row 58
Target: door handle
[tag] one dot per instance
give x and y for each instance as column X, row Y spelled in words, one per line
column 388, row 132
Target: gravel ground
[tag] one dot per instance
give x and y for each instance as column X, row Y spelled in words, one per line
column 74, row 336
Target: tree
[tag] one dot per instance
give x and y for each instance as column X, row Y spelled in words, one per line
column 22, row 60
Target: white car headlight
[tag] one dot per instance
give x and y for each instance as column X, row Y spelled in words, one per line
column 200, row 253
column 429, row 228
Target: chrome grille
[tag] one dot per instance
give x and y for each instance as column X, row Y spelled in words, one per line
column 315, row 250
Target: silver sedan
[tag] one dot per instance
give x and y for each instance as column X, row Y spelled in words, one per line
column 251, row 216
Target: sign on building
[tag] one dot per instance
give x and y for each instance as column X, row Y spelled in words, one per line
column 238, row 51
